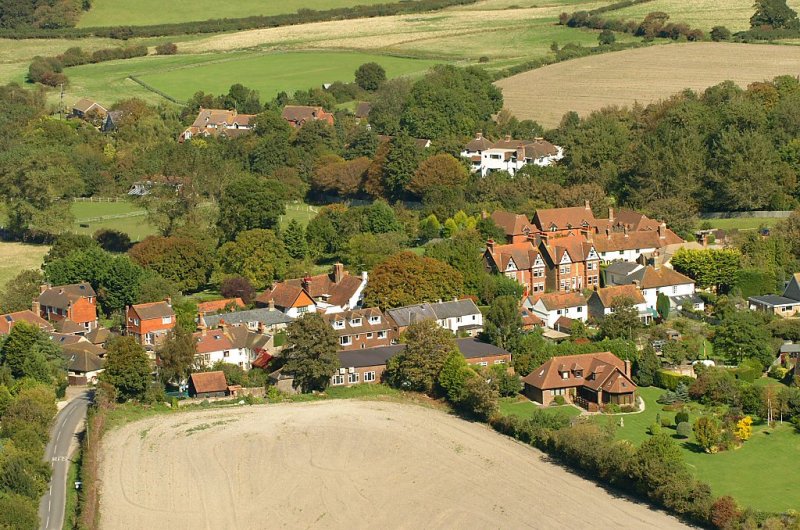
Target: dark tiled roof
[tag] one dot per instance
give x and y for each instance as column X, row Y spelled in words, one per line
column 469, row 348
column 773, row 300
column 83, row 361
column 432, row 311
column 67, row 326
column 153, row 310
column 261, row 315
column 62, row 296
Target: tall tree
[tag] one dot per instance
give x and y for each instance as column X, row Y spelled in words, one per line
column 258, row 255
column 29, row 352
column 774, row 14
column 20, row 291
column 624, row 322
column 439, row 170
column 127, row 368
column 294, row 239
column 503, row 321
column 311, row 355
column 370, row 76
column 177, row 355
column 406, row 279
column 419, row 365
column 248, row 203
column 185, row 262
column 401, row 162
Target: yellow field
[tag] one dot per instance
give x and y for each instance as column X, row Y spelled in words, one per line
column 642, row 75
column 17, row 257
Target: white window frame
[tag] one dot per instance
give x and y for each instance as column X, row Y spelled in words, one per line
column 166, row 320
column 382, row 334
column 345, row 340
column 355, row 322
column 369, row 377
column 337, row 380
column 352, row 378
column 374, row 320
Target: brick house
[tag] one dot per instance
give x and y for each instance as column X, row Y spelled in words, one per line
column 519, row 261
column 292, row 300
column 149, row 323
column 299, row 115
column 572, row 262
column 208, row 384
column 590, row 380
column 218, row 123
column 8, row 320
column 564, row 220
column 516, row 226
column 368, row 365
column 361, row 328
column 77, row 303
column 324, row 293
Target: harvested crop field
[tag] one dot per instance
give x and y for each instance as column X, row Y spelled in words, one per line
column 343, row 464
column 642, row 75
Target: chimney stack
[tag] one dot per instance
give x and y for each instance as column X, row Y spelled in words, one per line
column 169, row 301
column 36, row 307
column 338, row 272
column 306, row 283
column 587, row 206
column 662, row 230
column 271, row 305
column 201, row 323
column 478, row 135
column 43, row 287
column 625, row 230
column 508, row 138
column 628, row 368
column 608, row 233
column 611, row 216
column 490, row 245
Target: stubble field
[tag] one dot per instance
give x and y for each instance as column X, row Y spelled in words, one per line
column 343, row 464
column 641, row 75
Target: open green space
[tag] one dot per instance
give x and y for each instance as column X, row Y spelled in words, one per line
column 523, row 408
column 742, row 223
column 300, row 212
column 17, row 257
column 768, row 459
column 120, row 215
column 150, row 12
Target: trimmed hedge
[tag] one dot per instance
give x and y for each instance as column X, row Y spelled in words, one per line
column 670, row 380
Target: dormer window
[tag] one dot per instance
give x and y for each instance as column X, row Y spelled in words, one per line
column 564, row 375
column 338, row 324
column 578, row 373
column 374, row 320
column 355, row 322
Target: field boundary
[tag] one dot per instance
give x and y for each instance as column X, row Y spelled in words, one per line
column 155, row 90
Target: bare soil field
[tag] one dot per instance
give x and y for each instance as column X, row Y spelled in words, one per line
column 343, row 464
column 642, row 75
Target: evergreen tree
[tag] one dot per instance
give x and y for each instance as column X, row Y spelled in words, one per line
column 646, row 367
column 28, row 352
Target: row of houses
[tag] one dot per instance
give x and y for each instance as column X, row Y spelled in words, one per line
column 222, row 123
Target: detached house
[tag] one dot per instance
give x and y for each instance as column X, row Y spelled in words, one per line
column 361, row 328
column 552, row 307
column 299, row 115
column 572, row 262
column 589, row 380
column 84, row 108
column 458, row 316
column 8, row 321
column 219, row 123
column 519, row 261
column 231, row 345
column 150, row 323
column 785, row 305
column 604, row 301
column 324, row 293
column 261, row 320
column 630, row 246
column 75, row 303
column 509, row 155
column 651, row 281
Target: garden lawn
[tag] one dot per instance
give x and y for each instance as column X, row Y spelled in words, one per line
column 17, row 257
column 522, row 408
column 742, row 223
column 150, row 12
column 761, row 474
column 299, row 211
column 97, row 215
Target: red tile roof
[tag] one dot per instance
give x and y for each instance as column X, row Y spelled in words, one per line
column 563, row 218
column 153, row 310
column 204, row 382
column 553, row 301
column 8, row 320
column 511, row 223
column 608, row 295
column 524, row 255
column 600, row 370
column 218, row 305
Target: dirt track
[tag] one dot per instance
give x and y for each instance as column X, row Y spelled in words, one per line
column 342, row 464
column 644, row 75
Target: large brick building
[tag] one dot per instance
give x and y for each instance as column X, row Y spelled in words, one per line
column 76, row 303
column 149, row 323
column 361, row 328
column 519, row 261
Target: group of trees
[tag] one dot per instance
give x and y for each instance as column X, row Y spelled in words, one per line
column 49, row 70
column 44, row 14
column 654, row 25
column 31, row 373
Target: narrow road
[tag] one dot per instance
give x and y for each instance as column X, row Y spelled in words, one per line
column 58, row 452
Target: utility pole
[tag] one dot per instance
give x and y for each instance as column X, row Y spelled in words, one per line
column 61, row 104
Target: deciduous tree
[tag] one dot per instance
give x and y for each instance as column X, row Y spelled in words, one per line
column 419, row 365
column 258, row 255
column 177, row 355
column 406, row 279
column 248, row 203
column 311, row 355
column 127, row 368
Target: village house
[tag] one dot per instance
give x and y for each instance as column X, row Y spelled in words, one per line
column 86, row 108
column 368, row 365
column 299, row 115
column 259, row 320
column 572, row 262
column 564, row 220
column 784, row 305
column 219, row 123
column 631, row 246
column 604, row 301
column 361, row 328
column 552, row 307
column 521, row 262
column 150, row 323
column 680, row 289
column 8, row 320
column 458, row 316
column 516, row 226
column 83, row 366
column 215, row 306
column 324, row 293
column 112, row 121
column 363, row 108
column 205, row 385
column 76, row 303
column 590, row 380
column 230, row 344
column 509, row 155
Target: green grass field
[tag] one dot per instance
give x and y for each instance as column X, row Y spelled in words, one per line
column 148, row 12
column 704, row 14
column 97, row 215
column 768, row 459
column 522, row 408
column 742, row 223
column 299, row 211
column 17, row 257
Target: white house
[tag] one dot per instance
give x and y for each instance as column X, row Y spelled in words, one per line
column 229, row 344
column 629, row 246
column 334, row 292
column 459, row 316
column 603, row 301
column 509, row 155
column 651, row 281
column 551, row 307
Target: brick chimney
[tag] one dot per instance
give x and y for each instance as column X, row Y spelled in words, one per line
column 306, row 283
column 611, row 215
column 169, row 301
column 338, row 272
column 608, row 233
column 43, row 287
column 490, row 245
column 36, row 307
column 662, row 230
column 478, row 135
column 625, row 230
column 587, row 206
column 271, row 305
column 628, row 368
column 201, row 323
column 508, row 138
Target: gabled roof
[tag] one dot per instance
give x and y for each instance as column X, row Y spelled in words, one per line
column 67, row 326
column 606, row 368
column 575, row 245
column 325, row 286
column 555, row 301
column 363, row 109
column 793, row 287
column 216, row 117
column 609, row 295
column 204, row 382
column 479, row 143
column 82, row 361
column 8, row 320
column 82, row 347
column 261, row 315
column 470, row 348
column 98, row 335
column 405, row 316
column 651, row 278
column 153, row 310
column 283, row 295
column 218, row 305
column 511, row 223
column 523, row 254
column 212, row 340
column 622, row 267
column 300, row 114
column 618, row 241
column 564, row 218
column 365, row 315
column 62, row 296
column 85, row 105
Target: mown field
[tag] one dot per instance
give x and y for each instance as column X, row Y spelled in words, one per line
column 149, row 12
column 17, row 257
column 121, row 215
column 641, row 75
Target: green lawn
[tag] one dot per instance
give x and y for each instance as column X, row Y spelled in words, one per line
column 97, row 215
column 743, row 223
column 768, row 460
column 522, row 408
column 299, row 211
column 149, row 12
column 17, row 257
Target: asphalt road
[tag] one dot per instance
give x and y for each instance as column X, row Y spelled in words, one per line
column 58, row 452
